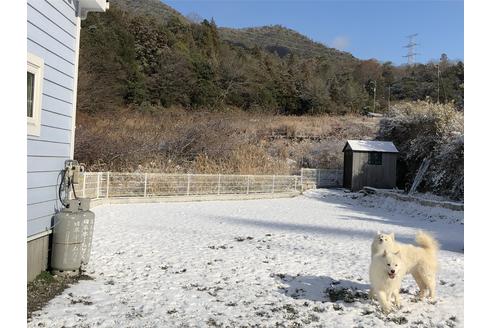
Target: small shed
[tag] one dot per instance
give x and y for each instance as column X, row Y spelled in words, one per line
column 369, row 163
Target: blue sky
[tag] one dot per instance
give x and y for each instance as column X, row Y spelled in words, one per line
column 367, row 29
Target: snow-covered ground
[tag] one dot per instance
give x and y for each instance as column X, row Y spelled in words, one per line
column 292, row 262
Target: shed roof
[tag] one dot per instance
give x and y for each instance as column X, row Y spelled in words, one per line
column 370, row 145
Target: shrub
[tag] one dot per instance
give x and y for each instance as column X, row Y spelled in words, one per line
column 423, row 130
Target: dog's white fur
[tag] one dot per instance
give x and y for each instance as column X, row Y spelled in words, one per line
column 420, row 261
column 381, row 242
column 386, row 273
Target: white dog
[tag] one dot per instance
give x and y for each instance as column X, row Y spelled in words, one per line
column 386, row 273
column 420, row 261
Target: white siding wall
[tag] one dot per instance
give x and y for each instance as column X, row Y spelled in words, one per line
column 51, row 35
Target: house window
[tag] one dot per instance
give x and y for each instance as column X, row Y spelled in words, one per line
column 375, row 158
column 35, row 70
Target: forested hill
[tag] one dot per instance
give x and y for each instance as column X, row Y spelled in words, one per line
column 283, row 41
column 144, row 54
column 153, row 8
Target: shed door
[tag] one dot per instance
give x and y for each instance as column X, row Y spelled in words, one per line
column 347, row 169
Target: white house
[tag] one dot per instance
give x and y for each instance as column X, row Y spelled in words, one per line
column 53, row 33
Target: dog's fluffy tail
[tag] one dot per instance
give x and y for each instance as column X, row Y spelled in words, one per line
column 427, row 242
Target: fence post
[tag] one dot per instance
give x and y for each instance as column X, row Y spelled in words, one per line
column 247, row 186
column 273, row 184
column 98, row 185
column 317, row 178
column 188, row 185
column 83, row 186
column 302, row 180
column 145, row 185
column 295, row 184
column 107, row 185
column 218, row 186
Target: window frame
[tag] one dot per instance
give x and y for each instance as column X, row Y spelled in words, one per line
column 375, row 161
column 35, row 65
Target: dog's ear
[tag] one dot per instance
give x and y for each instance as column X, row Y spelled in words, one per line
column 392, row 235
column 378, row 232
column 397, row 253
column 385, row 253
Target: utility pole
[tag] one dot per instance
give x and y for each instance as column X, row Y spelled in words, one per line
column 437, row 83
column 389, row 97
column 411, row 54
column 374, row 91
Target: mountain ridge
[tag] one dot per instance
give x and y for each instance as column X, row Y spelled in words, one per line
column 272, row 38
column 154, row 8
column 269, row 37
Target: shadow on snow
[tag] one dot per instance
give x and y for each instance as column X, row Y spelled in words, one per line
column 322, row 288
column 450, row 236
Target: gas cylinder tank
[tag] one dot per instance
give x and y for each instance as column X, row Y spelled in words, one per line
column 67, row 239
column 88, row 218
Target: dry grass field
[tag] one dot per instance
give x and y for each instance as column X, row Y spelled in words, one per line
column 176, row 140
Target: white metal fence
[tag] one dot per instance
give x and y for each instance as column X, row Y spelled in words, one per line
column 321, row 178
column 112, row 184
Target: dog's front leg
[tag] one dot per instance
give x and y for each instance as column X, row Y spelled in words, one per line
column 384, row 302
column 372, row 296
column 396, row 294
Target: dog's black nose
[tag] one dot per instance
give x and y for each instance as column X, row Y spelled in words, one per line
column 392, row 271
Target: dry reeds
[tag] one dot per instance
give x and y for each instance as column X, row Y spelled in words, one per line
column 175, row 140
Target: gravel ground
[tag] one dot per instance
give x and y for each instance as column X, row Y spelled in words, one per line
column 45, row 287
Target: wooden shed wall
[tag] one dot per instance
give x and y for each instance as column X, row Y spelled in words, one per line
column 378, row 176
column 51, row 35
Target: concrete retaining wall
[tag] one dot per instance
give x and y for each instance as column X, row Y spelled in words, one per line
column 409, row 198
column 37, row 256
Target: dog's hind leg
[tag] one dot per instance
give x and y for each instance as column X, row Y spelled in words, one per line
column 430, row 282
column 421, row 283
